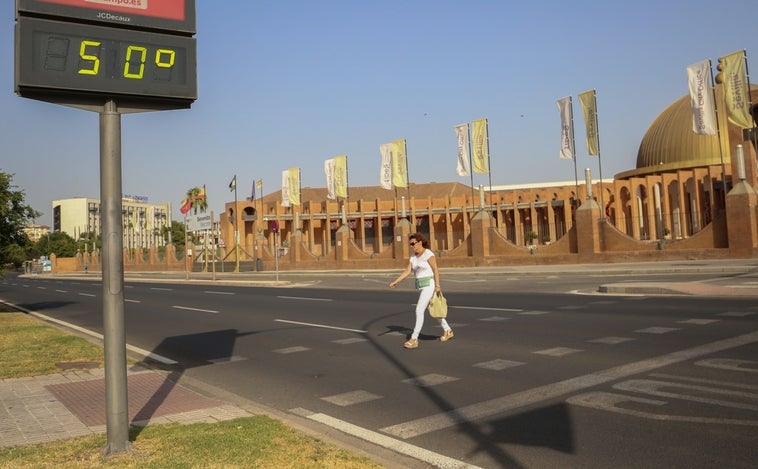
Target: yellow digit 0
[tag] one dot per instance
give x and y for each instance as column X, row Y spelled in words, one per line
column 127, row 63
column 94, row 59
column 159, row 60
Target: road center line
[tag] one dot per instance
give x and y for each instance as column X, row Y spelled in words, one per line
column 86, row 294
column 161, row 289
column 304, row 298
column 502, row 404
column 219, row 292
column 196, row 309
column 323, row 326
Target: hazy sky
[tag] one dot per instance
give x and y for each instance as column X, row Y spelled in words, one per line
column 290, row 83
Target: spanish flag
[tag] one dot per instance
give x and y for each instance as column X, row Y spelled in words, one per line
column 186, row 206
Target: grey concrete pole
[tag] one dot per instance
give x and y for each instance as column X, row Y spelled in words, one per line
column 116, row 404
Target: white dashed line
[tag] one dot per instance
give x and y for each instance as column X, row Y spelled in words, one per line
column 196, row 309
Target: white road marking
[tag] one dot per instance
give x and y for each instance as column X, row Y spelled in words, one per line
column 62, row 291
column 323, row 326
column 132, row 301
column 705, row 381
column 610, row 340
column 654, row 388
column 161, row 289
column 196, row 309
column 219, row 292
column 432, row 379
column 558, row 351
column 517, row 400
column 607, row 401
column 729, row 364
column 86, row 294
column 430, row 457
column 304, row 298
column 351, row 398
column 294, row 349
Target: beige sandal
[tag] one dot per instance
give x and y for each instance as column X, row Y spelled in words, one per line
column 411, row 343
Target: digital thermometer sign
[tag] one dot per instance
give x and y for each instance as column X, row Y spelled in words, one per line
column 80, row 50
column 92, row 59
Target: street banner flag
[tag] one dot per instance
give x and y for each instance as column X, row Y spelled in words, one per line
column 258, row 187
column 567, row 128
column 285, row 188
column 588, row 102
column 329, row 173
column 340, row 176
column 252, row 192
column 701, row 98
column 294, row 183
column 480, row 142
column 463, row 167
column 186, row 206
column 734, row 73
column 233, row 184
column 385, row 173
column 399, row 164
column 336, row 176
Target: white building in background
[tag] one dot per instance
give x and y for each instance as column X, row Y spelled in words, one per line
column 35, row 232
column 143, row 223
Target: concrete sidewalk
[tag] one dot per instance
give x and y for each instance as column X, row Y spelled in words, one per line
column 72, row 403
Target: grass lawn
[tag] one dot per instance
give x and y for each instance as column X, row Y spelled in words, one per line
column 30, row 347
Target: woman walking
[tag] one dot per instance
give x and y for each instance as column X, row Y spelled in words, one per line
column 423, row 264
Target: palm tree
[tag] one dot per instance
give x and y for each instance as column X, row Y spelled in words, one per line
column 196, row 197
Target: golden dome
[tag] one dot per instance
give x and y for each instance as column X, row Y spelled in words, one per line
column 670, row 144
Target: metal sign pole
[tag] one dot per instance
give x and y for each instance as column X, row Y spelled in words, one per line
column 116, row 404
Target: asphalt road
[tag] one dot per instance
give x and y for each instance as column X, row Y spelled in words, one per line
column 541, row 373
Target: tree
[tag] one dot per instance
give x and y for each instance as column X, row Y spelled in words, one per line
column 58, row 243
column 177, row 235
column 15, row 214
column 197, row 200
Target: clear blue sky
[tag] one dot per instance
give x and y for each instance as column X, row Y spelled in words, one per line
column 286, row 83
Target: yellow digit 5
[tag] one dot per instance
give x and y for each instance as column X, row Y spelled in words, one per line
column 93, row 59
column 168, row 62
column 127, row 64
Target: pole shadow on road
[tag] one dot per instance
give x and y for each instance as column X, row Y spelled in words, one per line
column 546, row 427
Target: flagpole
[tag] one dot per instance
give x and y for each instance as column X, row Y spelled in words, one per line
column 573, row 148
column 749, row 105
column 470, row 162
column 407, row 174
column 347, row 183
column 186, row 249
column 236, row 230
column 599, row 163
column 718, row 129
column 489, row 164
column 260, row 224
